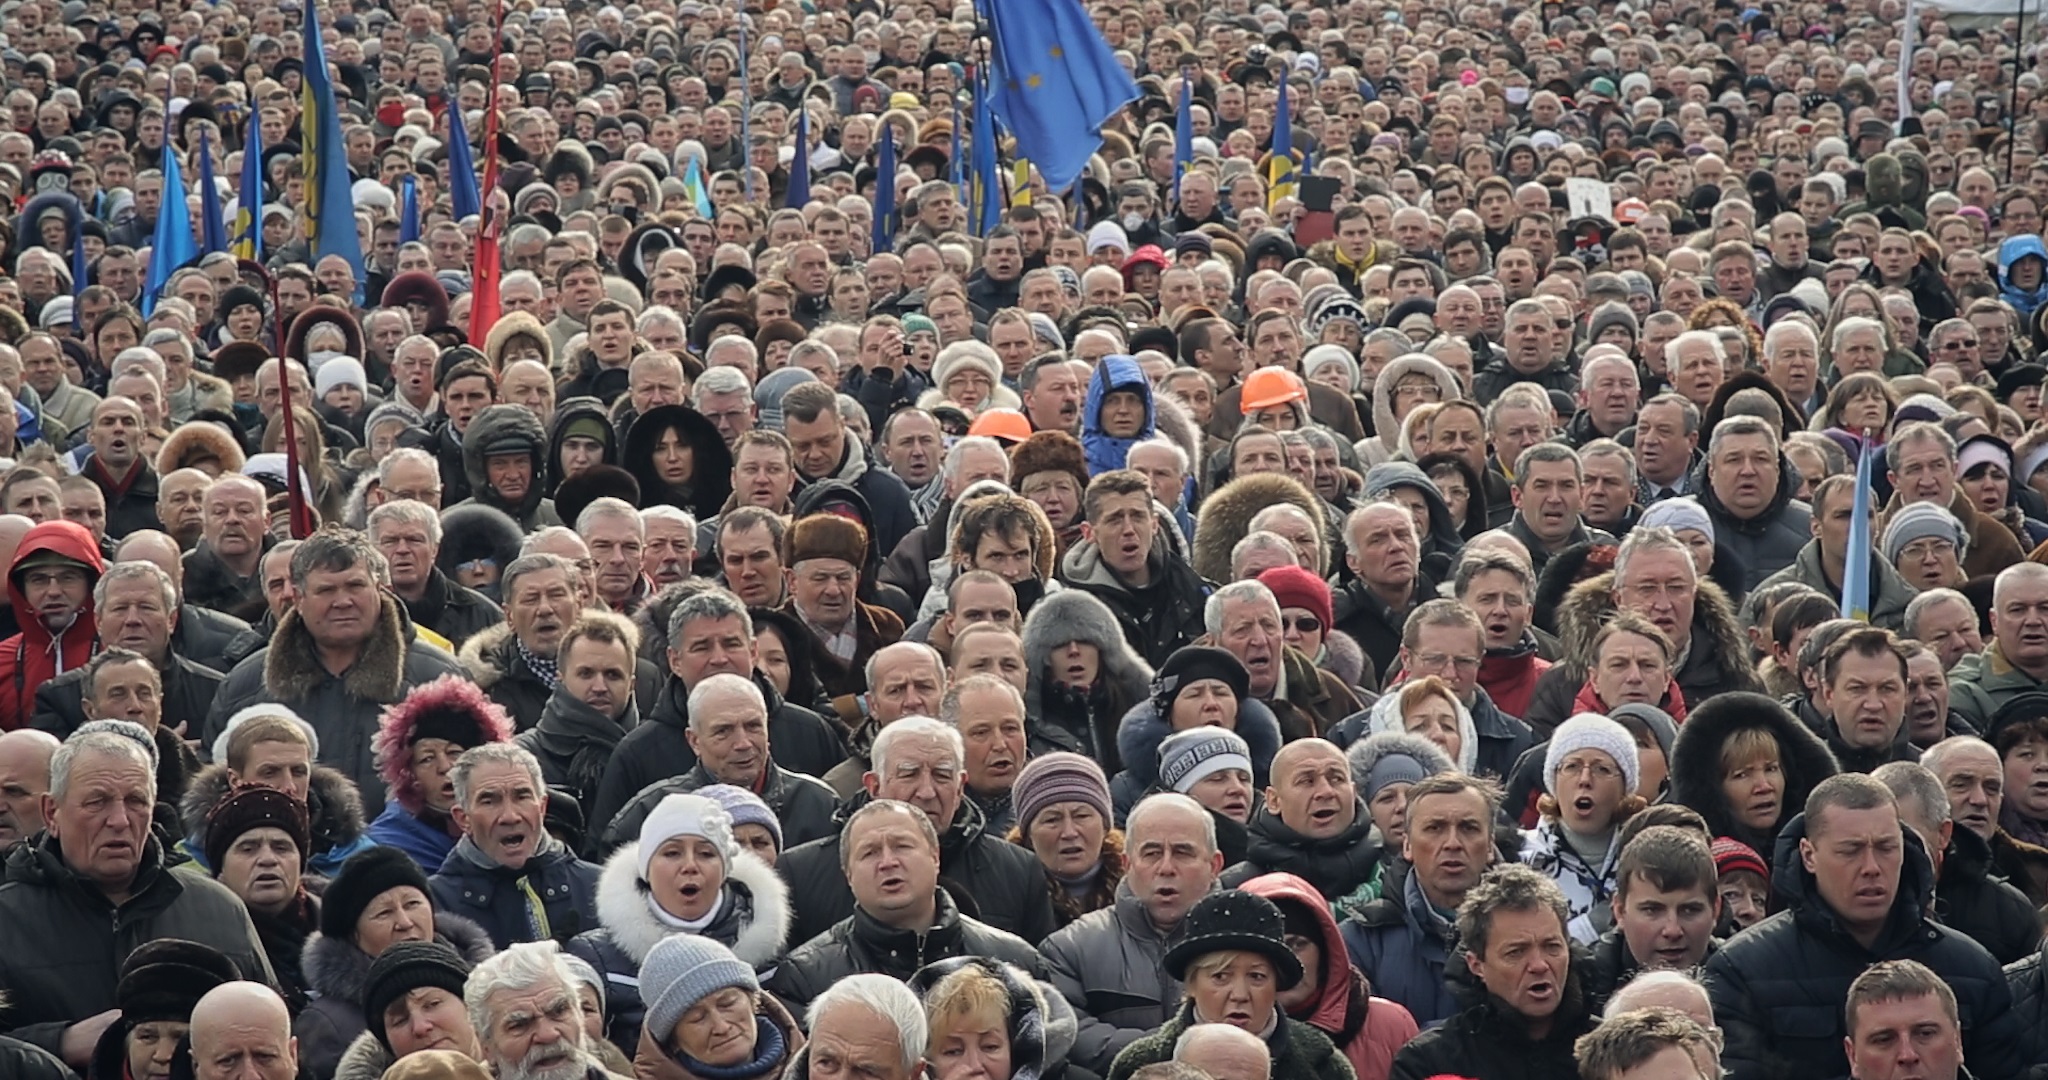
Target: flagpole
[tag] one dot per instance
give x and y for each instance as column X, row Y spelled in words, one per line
column 746, row 106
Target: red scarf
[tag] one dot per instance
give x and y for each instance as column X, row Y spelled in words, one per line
column 1511, row 680
column 1589, row 701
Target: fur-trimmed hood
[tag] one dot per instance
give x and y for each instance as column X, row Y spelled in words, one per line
column 762, row 898
column 1588, row 605
column 482, row 655
column 710, row 482
column 502, row 429
column 1228, row 512
column 447, row 694
column 517, row 324
column 365, row 1059
column 1387, row 429
column 1369, row 751
column 478, row 531
column 336, row 805
column 1076, row 615
column 337, row 969
column 292, row 669
column 1143, row 729
column 1696, row 761
column 1043, row 1027
column 1385, row 719
column 195, row 441
column 1343, row 658
column 351, row 331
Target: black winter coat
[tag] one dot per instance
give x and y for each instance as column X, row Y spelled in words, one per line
column 804, row 806
column 209, row 582
column 61, row 941
column 497, row 666
column 2027, row 980
column 798, row 739
column 454, row 611
column 1005, row 882
column 858, row 944
column 1372, row 623
column 1778, row 987
column 26, row 1061
column 1492, row 1041
column 495, row 898
column 1335, row 867
column 1983, row 906
column 574, row 743
column 189, row 690
column 207, row 637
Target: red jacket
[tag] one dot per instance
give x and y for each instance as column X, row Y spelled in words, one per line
column 33, row 657
column 1367, row 1030
column 1511, row 680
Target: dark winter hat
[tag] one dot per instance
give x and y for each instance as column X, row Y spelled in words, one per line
column 1235, row 921
column 240, row 296
column 405, row 967
column 1731, row 855
column 254, row 807
column 162, row 980
column 1193, row 663
column 825, row 536
column 363, row 878
column 574, row 495
column 1049, row 451
column 238, row 359
column 1055, row 778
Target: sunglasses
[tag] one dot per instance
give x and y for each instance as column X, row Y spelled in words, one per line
column 1306, row 624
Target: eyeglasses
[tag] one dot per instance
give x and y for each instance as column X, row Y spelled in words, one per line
column 1307, row 624
column 1600, row 770
column 1440, row 661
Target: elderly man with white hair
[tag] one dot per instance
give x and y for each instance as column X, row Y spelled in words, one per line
column 61, row 941
column 870, row 1026
column 508, row 874
column 525, row 1007
column 922, row 762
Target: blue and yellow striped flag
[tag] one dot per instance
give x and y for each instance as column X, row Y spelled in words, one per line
column 330, row 213
column 247, row 239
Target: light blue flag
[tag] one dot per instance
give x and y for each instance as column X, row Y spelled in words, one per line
column 409, row 209
column 693, row 183
column 1055, row 83
column 213, row 230
column 248, row 224
column 330, row 212
column 956, row 167
column 78, row 282
column 172, row 246
column 800, row 165
column 1856, row 561
column 463, row 196
column 1183, row 133
column 1280, row 167
column 987, row 207
column 885, row 193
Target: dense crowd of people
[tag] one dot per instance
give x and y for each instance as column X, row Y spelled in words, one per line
column 1352, row 588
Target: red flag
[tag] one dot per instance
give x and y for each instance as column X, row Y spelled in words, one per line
column 295, row 488
column 484, row 311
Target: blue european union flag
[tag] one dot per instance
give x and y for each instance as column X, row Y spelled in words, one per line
column 885, row 193
column 1055, row 83
column 463, row 196
column 330, row 208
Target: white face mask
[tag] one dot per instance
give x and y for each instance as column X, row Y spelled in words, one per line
column 1133, row 222
column 1517, row 96
column 320, row 356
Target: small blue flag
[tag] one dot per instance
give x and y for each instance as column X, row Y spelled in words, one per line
column 1183, row 133
column 214, row 231
column 987, row 207
column 1280, row 166
column 1856, row 561
column 409, row 209
column 885, row 192
column 77, row 266
column 800, row 165
column 172, row 246
column 248, row 224
column 1055, row 83
column 463, row 196
column 693, row 183
column 330, row 212
column 956, row 167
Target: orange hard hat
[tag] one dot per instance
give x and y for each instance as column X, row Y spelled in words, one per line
column 1271, row 386
column 1007, row 425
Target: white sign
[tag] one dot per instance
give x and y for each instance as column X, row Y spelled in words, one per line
column 1589, row 198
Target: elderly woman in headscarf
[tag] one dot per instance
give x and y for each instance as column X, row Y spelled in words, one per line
column 991, row 1021
column 707, row 1018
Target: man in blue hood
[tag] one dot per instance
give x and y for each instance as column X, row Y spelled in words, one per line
column 1117, row 414
column 2023, row 275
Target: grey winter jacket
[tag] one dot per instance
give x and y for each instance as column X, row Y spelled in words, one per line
column 1110, row 966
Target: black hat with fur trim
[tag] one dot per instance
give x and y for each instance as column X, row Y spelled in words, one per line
column 575, row 494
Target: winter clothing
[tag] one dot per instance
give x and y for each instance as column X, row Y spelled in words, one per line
column 1300, row 1051
column 35, row 656
column 574, row 742
column 2024, row 301
column 210, row 584
column 60, row 937
column 751, row 919
column 509, row 429
column 1982, row 683
column 1402, row 945
column 710, row 482
column 1107, row 452
column 1778, row 987
column 335, row 816
column 1368, row 1030
column 1696, row 762
column 1509, row 675
column 339, row 974
column 500, row 668
column 1227, row 513
column 188, row 691
column 887, row 497
column 585, row 417
column 1375, row 624
column 1492, row 1040
column 1334, row 867
column 1005, row 882
column 1769, row 540
column 1083, row 721
column 1386, row 441
column 505, row 901
column 1587, row 887
column 798, row 740
column 1969, row 899
column 1110, row 966
column 452, row 610
column 778, row 1042
column 803, row 806
column 452, row 709
column 1889, row 592
column 343, row 708
column 1145, row 728
column 1155, row 618
column 859, row 943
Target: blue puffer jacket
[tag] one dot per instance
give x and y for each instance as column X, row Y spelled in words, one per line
column 400, row 828
column 1401, row 945
column 2024, row 301
column 500, row 900
column 1778, row 987
column 1105, row 451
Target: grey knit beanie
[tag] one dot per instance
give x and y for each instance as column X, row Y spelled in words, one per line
column 1919, row 521
column 684, row 969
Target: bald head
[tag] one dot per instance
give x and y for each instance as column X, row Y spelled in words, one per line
column 151, row 546
column 1312, row 791
column 24, row 778
column 243, row 1030
column 12, row 528
column 1664, row 989
column 1224, row 1052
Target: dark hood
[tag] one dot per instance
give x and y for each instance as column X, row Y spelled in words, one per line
column 501, row 425
column 711, row 480
column 578, row 408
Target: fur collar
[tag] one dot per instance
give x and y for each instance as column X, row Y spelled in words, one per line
column 337, row 806
column 365, row 1059
column 485, row 655
column 292, row 667
column 1716, row 631
column 337, row 969
column 754, row 885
